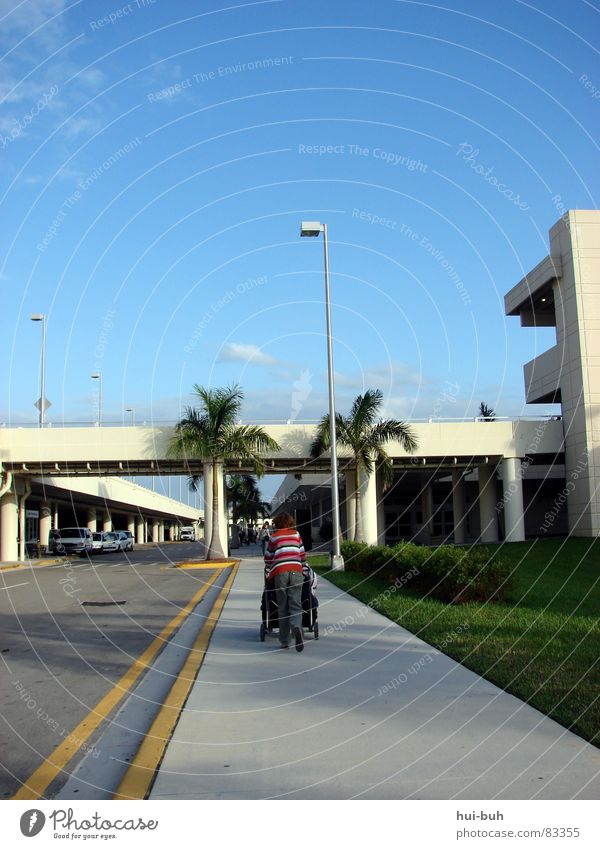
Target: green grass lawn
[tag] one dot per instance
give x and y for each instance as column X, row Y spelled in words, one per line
column 542, row 644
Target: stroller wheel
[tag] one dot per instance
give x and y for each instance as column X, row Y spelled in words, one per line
column 316, row 630
column 263, row 632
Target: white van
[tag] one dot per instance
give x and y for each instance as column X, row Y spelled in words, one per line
column 71, row 541
column 187, row 533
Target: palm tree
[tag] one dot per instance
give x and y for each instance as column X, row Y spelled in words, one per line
column 212, row 433
column 365, row 434
column 244, row 498
column 486, row 413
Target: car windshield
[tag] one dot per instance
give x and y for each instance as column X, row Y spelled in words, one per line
column 72, row 532
column 97, row 537
column 110, row 536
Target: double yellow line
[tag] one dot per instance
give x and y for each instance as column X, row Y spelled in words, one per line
column 44, row 775
column 137, row 781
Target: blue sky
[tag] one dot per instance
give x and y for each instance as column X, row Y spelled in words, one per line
column 157, row 158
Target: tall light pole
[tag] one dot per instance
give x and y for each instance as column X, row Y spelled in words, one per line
column 314, row 228
column 38, row 316
column 132, row 411
column 97, row 375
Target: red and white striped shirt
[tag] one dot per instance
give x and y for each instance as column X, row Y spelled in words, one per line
column 284, row 553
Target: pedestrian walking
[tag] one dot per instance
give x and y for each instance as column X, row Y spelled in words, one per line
column 285, row 559
column 264, row 536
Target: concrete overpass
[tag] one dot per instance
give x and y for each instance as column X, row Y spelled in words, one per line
column 80, row 452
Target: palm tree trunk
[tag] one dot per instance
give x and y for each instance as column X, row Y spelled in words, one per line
column 358, row 509
column 215, row 548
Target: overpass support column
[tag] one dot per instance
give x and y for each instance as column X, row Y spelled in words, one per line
column 207, row 502
column 458, row 506
column 106, row 521
column 55, row 515
column 350, row 504
column 140, row 536
column 368, row 504
column 92, row 521
column 131, row 524
column 222, row 517
column 514, row 520
column 487, row 503
column 45, row 522
column 381, row 529
column 155, row 537
column 161, row 531
column 8, row 527
column 223, row 512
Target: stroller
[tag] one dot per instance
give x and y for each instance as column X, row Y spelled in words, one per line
column 310, row 605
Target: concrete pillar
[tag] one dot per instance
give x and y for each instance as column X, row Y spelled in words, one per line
column 223, row 511
column 427, row 511
column 207, row 502
column 55, row 515
column 106, row 521
column 368, row 506
column 140, row 536
column 92, row 520
column 131, row 524
column 161, row 531
column 381, row 529
column 45, row 522
column 487, row 504
column 8, row 527
column 514, row 520
column 458, row 506
column 22, row 517
column 155, row 537
column 350, row 504
column 222, row 505
column 173, row 530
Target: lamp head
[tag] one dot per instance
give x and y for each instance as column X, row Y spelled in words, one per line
column 96, row 375
column 311, row 228
column 37, row 316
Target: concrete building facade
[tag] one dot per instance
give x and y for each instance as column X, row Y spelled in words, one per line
column 563, row 291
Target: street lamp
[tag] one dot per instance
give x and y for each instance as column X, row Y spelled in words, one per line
column 38, row 316
column 314, row 228
column 97, row 375
column 132, row 411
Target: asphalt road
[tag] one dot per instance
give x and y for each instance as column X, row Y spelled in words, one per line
column 68, row 633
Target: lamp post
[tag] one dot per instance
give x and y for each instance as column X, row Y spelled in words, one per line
column 97, row 375
column 132, row 411
column 42, row 402
column 314, row 228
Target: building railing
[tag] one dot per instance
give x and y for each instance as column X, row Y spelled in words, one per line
column 266, row 422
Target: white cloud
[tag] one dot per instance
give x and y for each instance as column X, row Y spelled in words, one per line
column 251, row 354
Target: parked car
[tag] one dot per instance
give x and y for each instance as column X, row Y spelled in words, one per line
column 187, row 533
column 97, row 542
column 126, row 539
column 111, row 541
column 71, row 541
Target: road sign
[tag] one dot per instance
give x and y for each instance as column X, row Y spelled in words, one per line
column 38, row 404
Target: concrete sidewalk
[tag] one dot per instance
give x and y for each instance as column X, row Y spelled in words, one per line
column 368, row 711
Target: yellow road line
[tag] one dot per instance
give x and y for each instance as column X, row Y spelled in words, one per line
column 138, row 779
column 28, row 565
column 39, row 780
